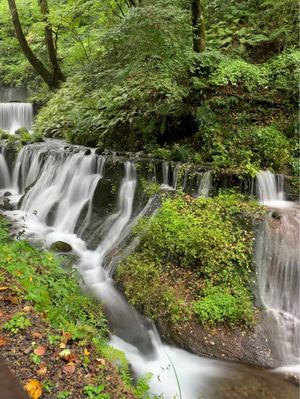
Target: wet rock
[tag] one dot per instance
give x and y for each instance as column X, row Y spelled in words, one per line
column 6, row 194
column 6, row 205
column 276, row 215
column 61, row 246
column 245, row 345
column 87, row 152
column 99, row 150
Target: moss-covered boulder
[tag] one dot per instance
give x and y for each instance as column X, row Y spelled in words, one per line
column 61, row 246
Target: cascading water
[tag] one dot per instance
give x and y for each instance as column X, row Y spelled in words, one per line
column 15, row 115
column 58, row 188
column 4, row 172
column 278, row 263
column 270, row 189
column 204, row 185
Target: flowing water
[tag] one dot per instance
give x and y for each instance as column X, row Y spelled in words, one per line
column 15, row 115
column 204, row 184
column 59, row 188
column 278, row 261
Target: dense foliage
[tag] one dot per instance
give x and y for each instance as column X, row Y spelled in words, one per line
column 53, row 290
column 134, row 81
column 208, row 241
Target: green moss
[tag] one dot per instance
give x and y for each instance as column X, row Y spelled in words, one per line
column 208, row 238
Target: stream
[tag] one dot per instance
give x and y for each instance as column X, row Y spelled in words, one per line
column 58, row 192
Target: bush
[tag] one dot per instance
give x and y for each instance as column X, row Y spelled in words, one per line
column 270, row 147
column 207, row 240
column 219, row 306
column 237, row 72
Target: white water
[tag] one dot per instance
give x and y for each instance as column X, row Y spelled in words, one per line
column 59, row 206
column 62, row 194
column 270, row 190
column 4, row 172
column 15, row 115
column 278, row 263
column 204, row 185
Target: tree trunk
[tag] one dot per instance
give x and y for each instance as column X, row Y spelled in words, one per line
column 57, row 74
column 198, row 26
column 39, row 67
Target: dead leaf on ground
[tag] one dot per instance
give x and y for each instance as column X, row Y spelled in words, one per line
column 40, row 350
column 66, row 337
column 34, row 389
column 63, row 354
column 72, row 357
column 36, row 334
column 69, row 368
column 3, row 341
column 11, row 298
column 42, row 370
column 4, row 288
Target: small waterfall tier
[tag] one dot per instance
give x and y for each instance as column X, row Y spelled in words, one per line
column 278, row 267
column 270, row 190
column 15, row 115
column 278, row 262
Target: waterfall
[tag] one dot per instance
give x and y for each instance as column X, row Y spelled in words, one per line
column 270, row 189
column 278, row 263
column 60, row 186
column 165, row 173
column 4, row 171
column 15, row 115
column 204, row 185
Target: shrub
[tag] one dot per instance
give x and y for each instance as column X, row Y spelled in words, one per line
column 270, row 147
column 208, row 241
column 219, row 306
column 237, row 72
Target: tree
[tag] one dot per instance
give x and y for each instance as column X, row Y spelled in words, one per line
column 54, row 76
column 198, row 26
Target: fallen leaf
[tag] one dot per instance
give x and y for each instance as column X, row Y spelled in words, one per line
column 11, row 298
column 40, row 350
column 27, row 309
column 69, row 368
column 3, row 288
column 72, row 357
column 62, row 345
column 101, row 361
column 36, row 334
column 3, row 341
column 86, row 352
column 42, row 370
column 66, row 352
column 66, row 337
column 34, row 389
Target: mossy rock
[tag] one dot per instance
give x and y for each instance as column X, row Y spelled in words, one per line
column 61, row 246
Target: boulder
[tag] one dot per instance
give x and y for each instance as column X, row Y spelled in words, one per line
column 61, row 246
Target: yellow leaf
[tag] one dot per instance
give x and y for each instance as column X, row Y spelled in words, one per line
column 34, row 389
column 86, row 352
column 3, row 288
column 30, row 278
